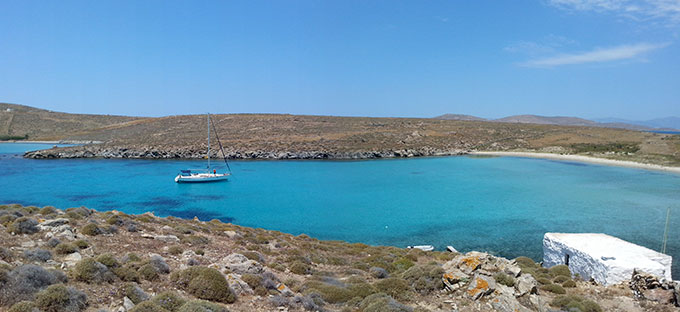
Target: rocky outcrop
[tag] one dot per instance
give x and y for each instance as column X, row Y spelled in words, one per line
column 154, row 152
column 474, row 276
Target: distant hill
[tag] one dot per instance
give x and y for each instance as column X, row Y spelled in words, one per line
column 545, row 120
column 459, row 117
column 667, row 123
column 662, row 123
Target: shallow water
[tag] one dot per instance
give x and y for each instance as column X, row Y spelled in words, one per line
column 502, row 205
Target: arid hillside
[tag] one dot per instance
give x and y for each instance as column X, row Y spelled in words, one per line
column 294, row 136
column 40, row 124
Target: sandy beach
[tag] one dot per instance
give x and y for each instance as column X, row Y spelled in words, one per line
column 586, row 159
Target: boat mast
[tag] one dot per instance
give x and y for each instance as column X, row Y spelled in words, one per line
column 208, row 140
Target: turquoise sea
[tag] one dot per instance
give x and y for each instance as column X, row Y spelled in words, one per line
column 502, row 205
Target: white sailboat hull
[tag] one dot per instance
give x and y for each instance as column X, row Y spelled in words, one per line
column 201, row 177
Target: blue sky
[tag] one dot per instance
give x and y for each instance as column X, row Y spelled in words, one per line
column 588, row 58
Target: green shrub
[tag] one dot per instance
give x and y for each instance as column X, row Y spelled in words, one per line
column 300, row 268
column 382, row 302
column 252, row 280
column 91, row 229
column 57, row 298
column 6, row 255
column 252, row 255
column 108, row 260
column 23, row 306
column 115, row 220
column 554, row 288
column 504, row 279
column 81, row 244
column 560, row 270
column 48, row 210
column 30, row 209
column 569, row 302
column 90, row 271
column 204, row 283
column 147, row 306
column 569, row 284
column 131, row 257
column 134, row 293
column 335, row 292
column 127, row 273
column 543, row 280
column 525, row 262
column 37, row 254
column 194, row 240
column 394, row 287
column 65, row 248
column 5, row 220
column 424, row 279
column 148, row 272
column 175, row 250
column 23, row 225
column 560, row 279
column 402, row 264
column 169, row 300
column 202, row 306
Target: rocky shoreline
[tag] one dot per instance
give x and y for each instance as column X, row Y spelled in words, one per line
column 149, row 152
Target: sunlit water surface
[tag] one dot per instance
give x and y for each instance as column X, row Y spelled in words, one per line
column 502, row 205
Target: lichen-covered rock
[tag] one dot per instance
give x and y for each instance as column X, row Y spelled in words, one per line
column 480, row 286
column 453, row 278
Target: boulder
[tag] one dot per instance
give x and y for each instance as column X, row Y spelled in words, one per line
column 238, row 285
column 454, row 279
column 53, row 223
column 167, row 238
column 506, row 302
column 480, row 286
column 127, row 304
column 239, row 264
column 72, row 259
column 525, row 284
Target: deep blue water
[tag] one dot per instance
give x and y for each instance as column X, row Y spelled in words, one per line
column 502, row 205
column 665, row 132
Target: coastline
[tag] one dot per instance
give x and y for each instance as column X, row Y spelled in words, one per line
column 582, row 158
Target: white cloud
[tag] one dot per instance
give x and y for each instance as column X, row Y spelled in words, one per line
column 549, row 44
column 667, row 11
column 595, row 56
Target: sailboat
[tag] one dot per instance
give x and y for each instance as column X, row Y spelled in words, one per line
column 207, row 174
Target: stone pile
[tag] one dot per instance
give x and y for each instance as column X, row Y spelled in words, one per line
column 474, row 275
column 649, row 287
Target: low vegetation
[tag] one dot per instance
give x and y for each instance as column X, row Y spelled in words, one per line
column 273, row 270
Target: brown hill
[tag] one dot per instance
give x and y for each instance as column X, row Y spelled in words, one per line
column 40, row 124
column 302, row 136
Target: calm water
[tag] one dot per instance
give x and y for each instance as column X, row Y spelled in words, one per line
column 503, row 205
